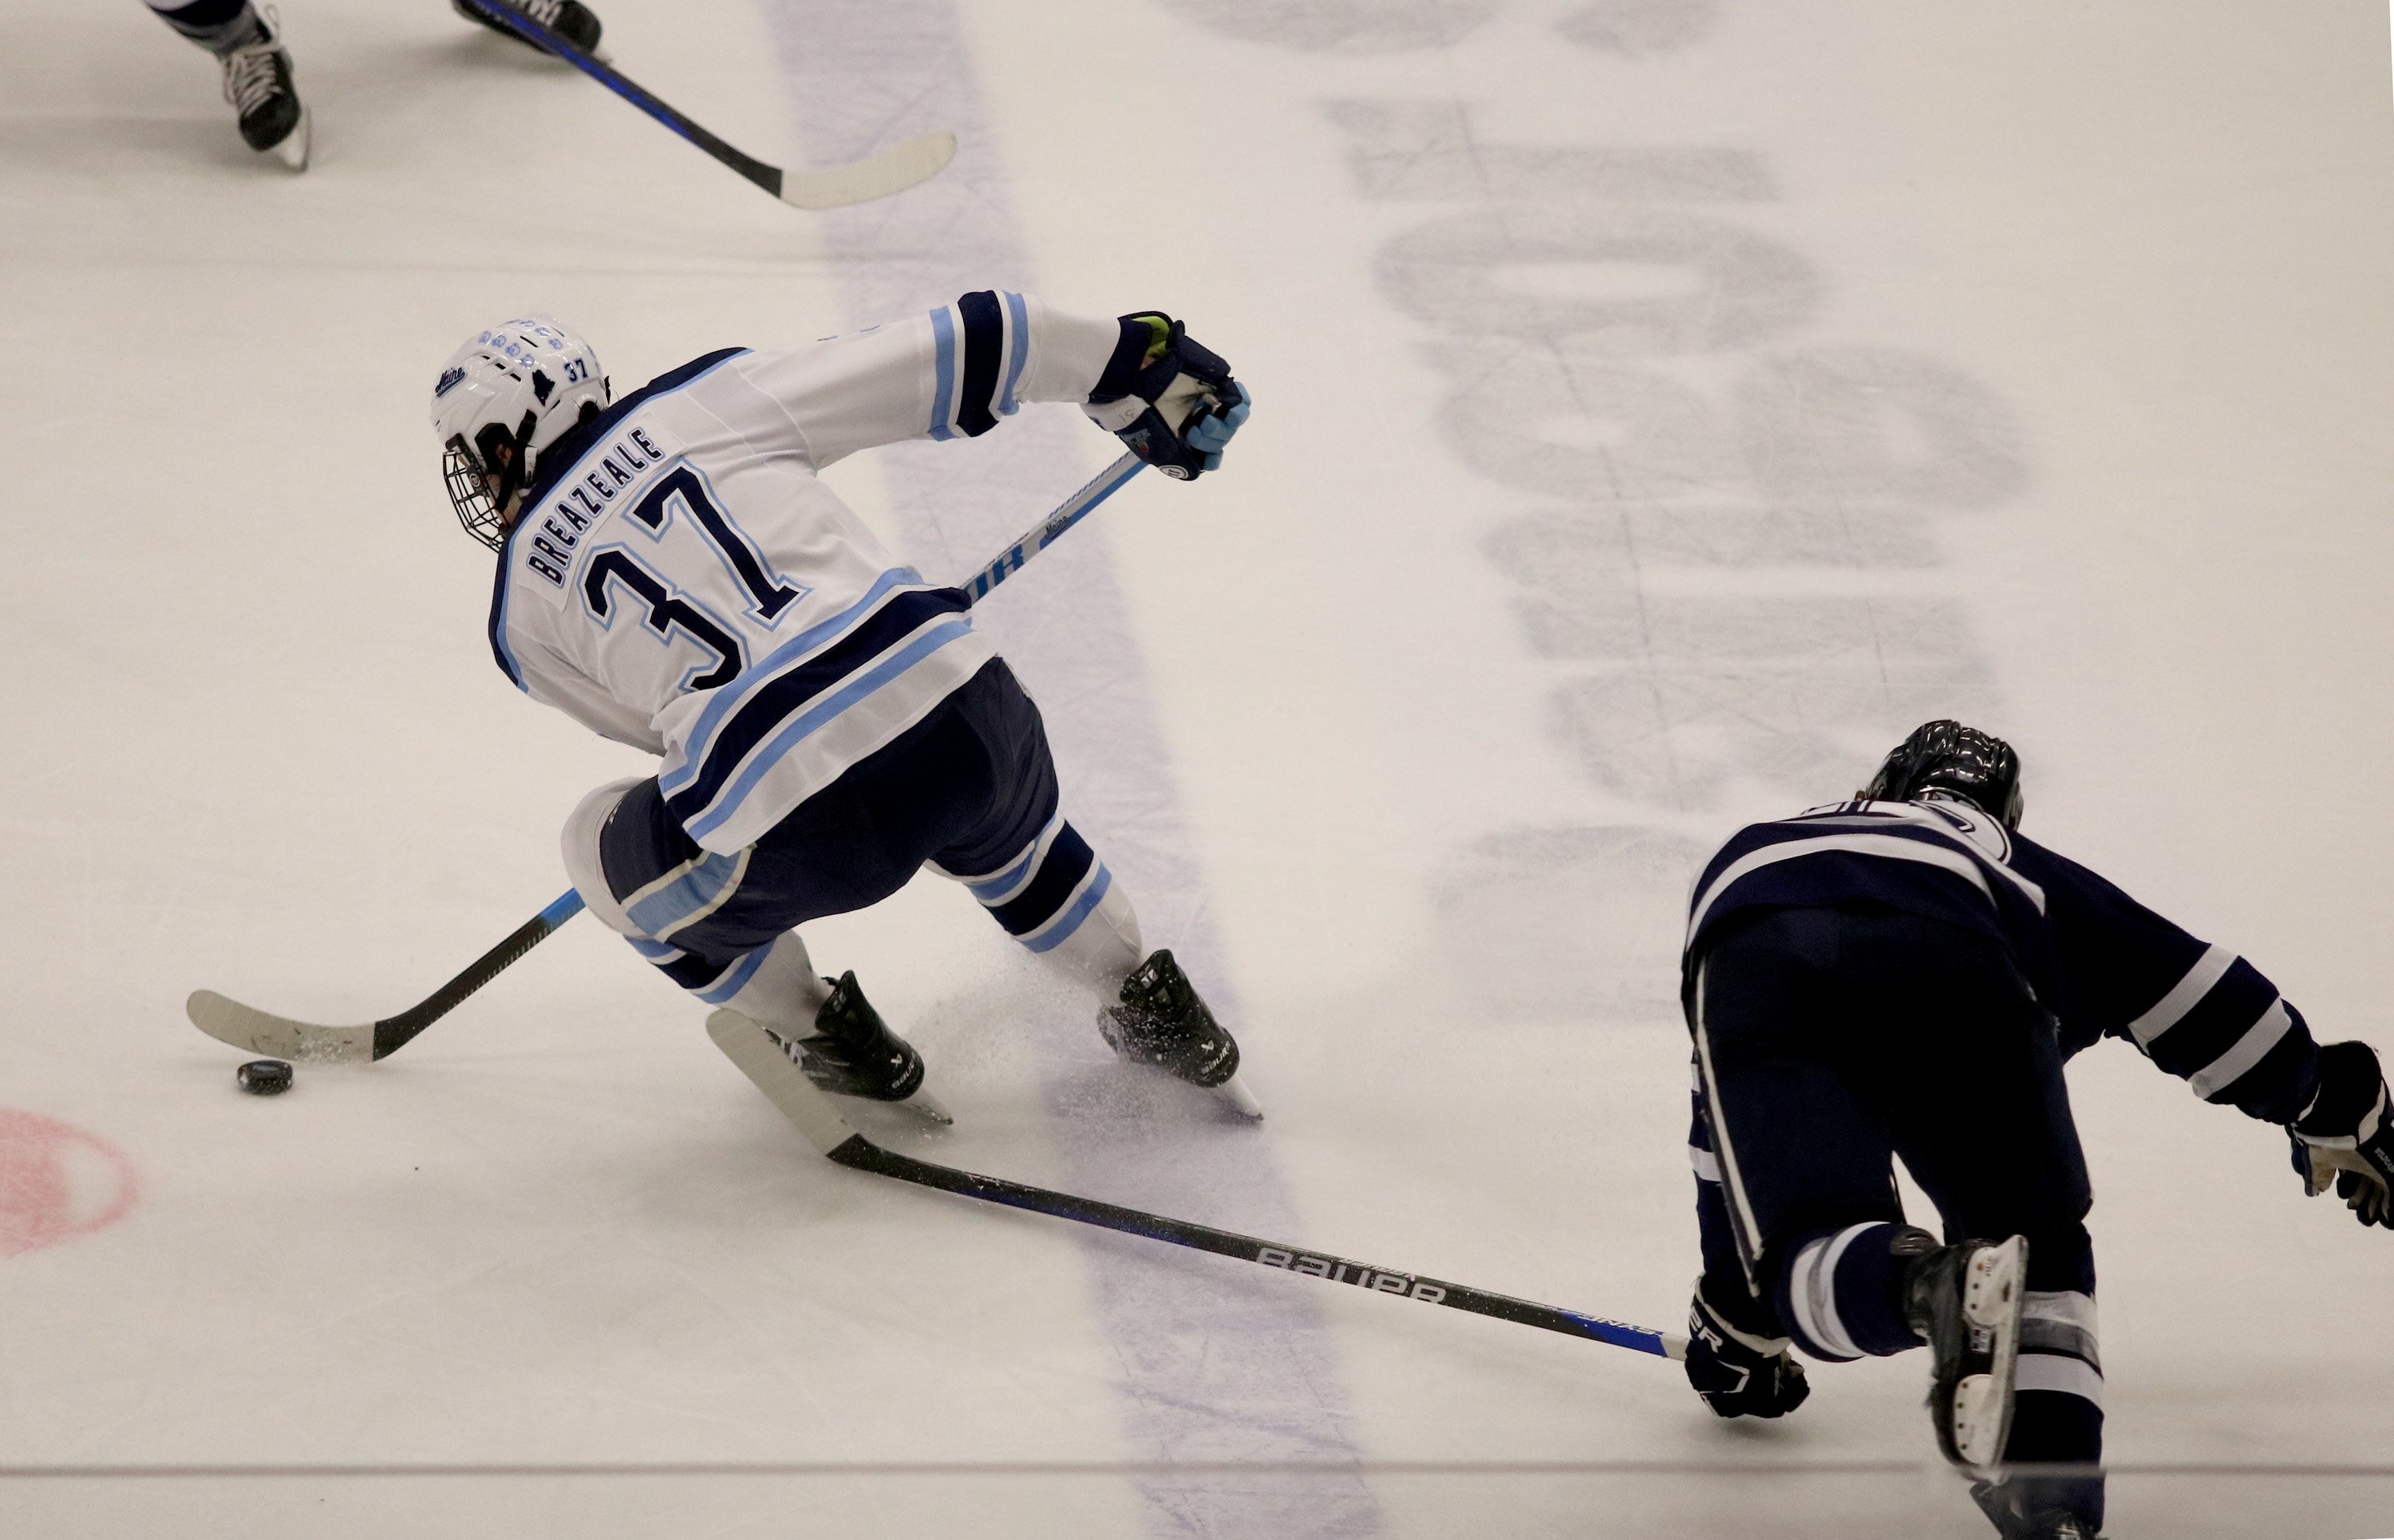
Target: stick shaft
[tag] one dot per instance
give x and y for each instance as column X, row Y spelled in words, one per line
column 1037, row 538
column 862, row 1154
column 764, row 176
column 394, row 1032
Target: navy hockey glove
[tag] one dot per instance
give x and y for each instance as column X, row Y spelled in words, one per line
column 1170, row 400
column 1740, row 1371
column 2347, row 1136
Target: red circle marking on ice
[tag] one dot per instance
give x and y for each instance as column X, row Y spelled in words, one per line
column 57, row 1182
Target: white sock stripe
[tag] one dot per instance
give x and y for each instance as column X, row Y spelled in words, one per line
column 2258, row 1039
column 1705, row 1165
column 2071, row 1377
column 2067, row 1306
column 2184, row 995
column 1812, row 1287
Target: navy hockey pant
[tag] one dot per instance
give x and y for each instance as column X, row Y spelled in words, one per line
column 1830, row 1042
column 217, row 25
column 970, row 789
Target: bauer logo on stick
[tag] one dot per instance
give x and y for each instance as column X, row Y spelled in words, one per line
column 1339, row 1271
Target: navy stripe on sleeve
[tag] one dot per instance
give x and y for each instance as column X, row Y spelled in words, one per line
column 984, row 328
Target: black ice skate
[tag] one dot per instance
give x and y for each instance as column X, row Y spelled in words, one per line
column 1161, row 1021
column 2024, row 1510
column 854, row 1053
column 1964, row 1301
column 569, row 19
column 257, row 83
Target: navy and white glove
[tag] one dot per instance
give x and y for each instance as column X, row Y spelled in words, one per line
column 2346, row 1135
column 1171, row 401
column 1739, row 1371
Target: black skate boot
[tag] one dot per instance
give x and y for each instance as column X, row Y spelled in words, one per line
column 257, row 83
column 2027, row 1509
column 1161, row 1021
column 569, row 19
column 854, row 1053
column 1964, row 1301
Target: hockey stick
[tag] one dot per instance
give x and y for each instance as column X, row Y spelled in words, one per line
column 254, row 1031
column 1071, row 511
column 765, row 1064
column 876, row 175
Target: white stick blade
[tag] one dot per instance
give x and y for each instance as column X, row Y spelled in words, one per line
column 877, row 176
column 277, row 1036
column 762, row 1060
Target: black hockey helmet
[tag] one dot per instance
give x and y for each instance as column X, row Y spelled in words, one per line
column 1978, row 768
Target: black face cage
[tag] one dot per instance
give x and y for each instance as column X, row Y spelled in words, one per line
column 481, row 507
column 469, row 493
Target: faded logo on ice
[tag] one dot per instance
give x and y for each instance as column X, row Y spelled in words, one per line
column 57, row 1182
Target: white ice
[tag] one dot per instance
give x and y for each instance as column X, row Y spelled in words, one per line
column 1762, row 377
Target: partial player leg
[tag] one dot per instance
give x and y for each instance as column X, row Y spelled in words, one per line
column 709, row 922
column 1040, row 879
column 257, row 71
column 1810, row 1054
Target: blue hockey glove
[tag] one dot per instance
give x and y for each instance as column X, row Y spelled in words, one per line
column 2346, row 1135
column 1170, row 400
column 1741, row 1371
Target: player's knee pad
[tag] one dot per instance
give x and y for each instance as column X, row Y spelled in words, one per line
column 583, row 864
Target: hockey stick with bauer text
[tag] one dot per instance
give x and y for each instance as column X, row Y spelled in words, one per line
column 876, row 175
column 764, row 1063
column 254, row 1031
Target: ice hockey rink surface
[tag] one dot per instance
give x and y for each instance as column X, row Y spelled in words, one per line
column 1662, row 406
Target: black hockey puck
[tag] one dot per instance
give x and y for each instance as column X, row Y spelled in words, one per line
column 264, row 1077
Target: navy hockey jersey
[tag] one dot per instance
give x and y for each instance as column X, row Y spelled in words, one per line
column 2101, row 963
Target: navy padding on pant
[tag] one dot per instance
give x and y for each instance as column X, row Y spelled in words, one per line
column 201, row 15
column 1839, row 1038
column 967, row 786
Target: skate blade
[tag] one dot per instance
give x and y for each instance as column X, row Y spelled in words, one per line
column 292, row 151
column 1241, row 1100
column 1993, row 1298
column 1979, row 1421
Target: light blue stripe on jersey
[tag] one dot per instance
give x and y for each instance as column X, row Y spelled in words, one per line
column 1060, row 929
column 697, row 890
column 819, row 712
column 735, row 978
column 1018, row 316
column 943, row 393
column 1000, row 885
column 655, row 952
column 677, row 774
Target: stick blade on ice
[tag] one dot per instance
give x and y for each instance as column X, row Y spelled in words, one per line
column 260, row 1031
column 876, row 175
column 762, row 1060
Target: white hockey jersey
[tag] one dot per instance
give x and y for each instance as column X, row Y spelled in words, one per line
column 680, row 581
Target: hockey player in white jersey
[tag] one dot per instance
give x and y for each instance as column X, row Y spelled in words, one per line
column 673, row 574
column 1902, row 976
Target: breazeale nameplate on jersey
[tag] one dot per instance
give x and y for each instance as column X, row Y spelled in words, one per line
column 609, row 476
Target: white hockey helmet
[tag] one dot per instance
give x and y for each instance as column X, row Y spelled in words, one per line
column 508, row 392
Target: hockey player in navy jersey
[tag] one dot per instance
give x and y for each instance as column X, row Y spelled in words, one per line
column 673, row 574
column 1902, row 976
